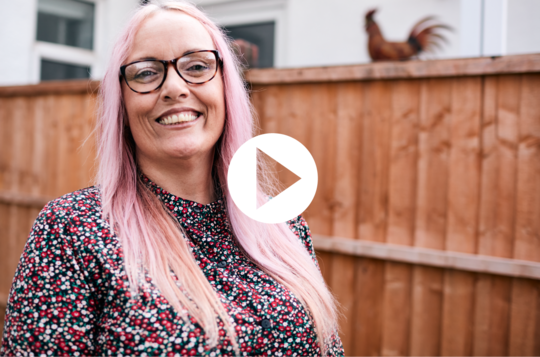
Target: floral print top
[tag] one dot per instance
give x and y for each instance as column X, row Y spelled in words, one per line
column 70, row 293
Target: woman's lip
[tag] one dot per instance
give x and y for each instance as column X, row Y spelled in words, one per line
column 177, row 111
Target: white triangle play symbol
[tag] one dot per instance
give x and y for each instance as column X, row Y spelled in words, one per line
column 279, row 168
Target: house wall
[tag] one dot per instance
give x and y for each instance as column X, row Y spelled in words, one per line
column 21, row 53
column 323, row 33
column 308, row 32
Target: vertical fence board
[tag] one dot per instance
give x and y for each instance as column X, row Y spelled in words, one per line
column 464, row 173
column 525, row 318
column 403, row 158
column 456, row 332
column 433, row 152
column 490, row 167
column 65, row 149
column 322, row 148
column 401, row 208
column 527, row 231
column 7, row 251
column 348, row 153
column 295, row 103
column 430, row 216
column 52, row 131
column 426, row 311
column 396, row 309
column 294, row 121
column 39, row 156
column 342, row 282
column 462, row 214
column 500, row 138
column 491, row 316
column 348, row 131
column 375, row 161
column 6, row 122
column 367, row 317
column 267, row 103
column 22, row 147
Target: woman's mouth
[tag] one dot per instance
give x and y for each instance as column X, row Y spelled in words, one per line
column 182, row 117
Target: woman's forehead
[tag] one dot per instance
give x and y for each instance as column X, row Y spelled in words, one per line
column 169, row 34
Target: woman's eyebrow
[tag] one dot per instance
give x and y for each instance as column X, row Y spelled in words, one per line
column 197, row 49
column 153, row 58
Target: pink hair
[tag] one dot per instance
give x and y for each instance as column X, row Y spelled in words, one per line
column 153, row 240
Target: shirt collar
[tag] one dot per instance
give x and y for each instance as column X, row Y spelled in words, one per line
column 188, row 212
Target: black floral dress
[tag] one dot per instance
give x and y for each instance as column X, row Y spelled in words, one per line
column 70, row 294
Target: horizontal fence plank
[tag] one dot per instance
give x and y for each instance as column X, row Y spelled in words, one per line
column 398, row 70
column 428, row 257
column 20, row 199
column 51, row 87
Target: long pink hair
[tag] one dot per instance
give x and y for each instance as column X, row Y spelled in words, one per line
column 152, row 239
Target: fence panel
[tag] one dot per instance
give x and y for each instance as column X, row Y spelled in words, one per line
column 43, row 155
column 426, row 218
column 443, row 158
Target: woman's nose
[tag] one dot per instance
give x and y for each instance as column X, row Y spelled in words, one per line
column 174, row 86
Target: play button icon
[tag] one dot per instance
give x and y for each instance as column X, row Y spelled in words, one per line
column 289, row 153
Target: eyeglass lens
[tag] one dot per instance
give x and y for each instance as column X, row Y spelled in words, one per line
column 195, row 68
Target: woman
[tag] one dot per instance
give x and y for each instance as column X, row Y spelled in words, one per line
column 157, row 259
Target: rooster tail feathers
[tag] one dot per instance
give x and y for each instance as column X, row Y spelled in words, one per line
column 421, row 24
column 425, row 35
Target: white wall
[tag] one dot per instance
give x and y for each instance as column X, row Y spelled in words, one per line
column 114, row 14
column 20, row 53
column 523, row 27
column 323, row 32
column 331, row 32
column 308, row 32
column 499, row 27
column 17, row 36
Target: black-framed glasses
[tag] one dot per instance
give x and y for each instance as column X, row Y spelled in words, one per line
column 195, row 67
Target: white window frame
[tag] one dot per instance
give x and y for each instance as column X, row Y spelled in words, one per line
column 483, row 27
column 69, row 54
column 247, row 12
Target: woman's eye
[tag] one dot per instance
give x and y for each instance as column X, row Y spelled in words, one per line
column 145, row 74
column 197, row 67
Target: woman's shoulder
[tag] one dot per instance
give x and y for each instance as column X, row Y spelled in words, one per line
column 72, row 225
column 81, row 200
column 69, row 214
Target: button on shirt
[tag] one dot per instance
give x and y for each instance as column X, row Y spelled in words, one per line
column 70, row 294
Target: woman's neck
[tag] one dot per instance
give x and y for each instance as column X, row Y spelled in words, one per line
column 190, row 179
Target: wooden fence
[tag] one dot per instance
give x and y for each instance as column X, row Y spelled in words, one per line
column 427, row 214
column 440, row 162
column 42, row 156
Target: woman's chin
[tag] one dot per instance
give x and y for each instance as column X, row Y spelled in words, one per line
column 187, row 151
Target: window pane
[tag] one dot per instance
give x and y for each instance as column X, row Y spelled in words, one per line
column 67, row 22
column 261, row 35
column 51, row 70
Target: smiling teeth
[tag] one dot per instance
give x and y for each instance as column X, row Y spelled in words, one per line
column 178, row 118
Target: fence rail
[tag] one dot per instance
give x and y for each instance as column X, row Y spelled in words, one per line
column 429, row 172
column 400, row 70
column 428, row 257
